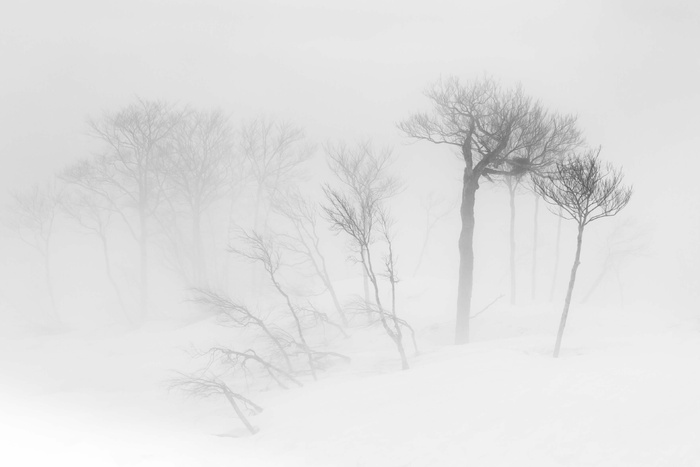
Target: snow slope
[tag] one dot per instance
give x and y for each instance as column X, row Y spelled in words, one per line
column 623, row 393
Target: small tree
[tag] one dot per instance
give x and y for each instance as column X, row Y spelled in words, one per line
column 94, row 215
column 305, row 240
column 130, row 170
column 264, row 251
column 234, row 314
column 274, row 151
column 359, row 212
column 205, row 384
column 34, row 219
column 198, row 173
column 585, row 190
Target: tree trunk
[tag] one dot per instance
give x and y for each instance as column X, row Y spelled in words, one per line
column 512, row 184
column 336, row 302
column 466, row 257
column 49, row 284
column 256, row 213
column 256, row 274
column 143, row 247
column 569, row 292
column 232, row 400
column 322, row 272
column 110, row 277
column 365, row 289
column 394, row 334
column 535, row 234
column 556, row 258
column 198, row 259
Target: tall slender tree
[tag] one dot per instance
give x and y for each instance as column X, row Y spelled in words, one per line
column 305, row 240
column 92, row 213
column 358, row 210
column 135, row 140
column 582, row 189
column 513, row 183
column 197, row 174
column 274, row 152
column 34, row 218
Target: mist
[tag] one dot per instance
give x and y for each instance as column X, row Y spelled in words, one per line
column 243, row 232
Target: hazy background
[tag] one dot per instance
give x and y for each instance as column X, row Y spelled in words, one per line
column 351, row 70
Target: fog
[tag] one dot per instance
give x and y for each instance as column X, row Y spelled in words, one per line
column 328, row 80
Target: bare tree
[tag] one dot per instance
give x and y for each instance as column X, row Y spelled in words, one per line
column 513, row 183
column 499, row 133
column 135, row 139
column 359, row 212
column 535, row 235
column 361, row 170
column 274, row 152
column 305, row 240
column 93, row 214
column 34, row 220
column 524, row 168
column 264, row 251
column 206, row 385
column 198, row 173
column 585, row 190
column 232, row 313
column 234, row 358
column 533, row 161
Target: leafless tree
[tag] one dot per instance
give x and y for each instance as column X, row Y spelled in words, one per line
column 361, row 170
column 34, row 221
column 305, row 240
column 358, row 211
column 197, row 174
column 533, row 161
column 94, row 215
column 262, row 250
column 585, row 190
column 499, row 133
column 236, row 359
column 274, row 151
column 323, row 319
column 135, row 141
column 206, row 385
column 535, row 237
column 513, row 183
column 232, row 313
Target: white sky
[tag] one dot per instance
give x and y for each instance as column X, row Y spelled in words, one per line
column 629, row 69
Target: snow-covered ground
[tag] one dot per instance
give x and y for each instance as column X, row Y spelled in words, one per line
column 623, row 393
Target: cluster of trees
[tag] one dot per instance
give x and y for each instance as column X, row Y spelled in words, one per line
column 289, row 338
column 209, row 193
column 187, row 181
column 503, row 133
column 158, row 172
